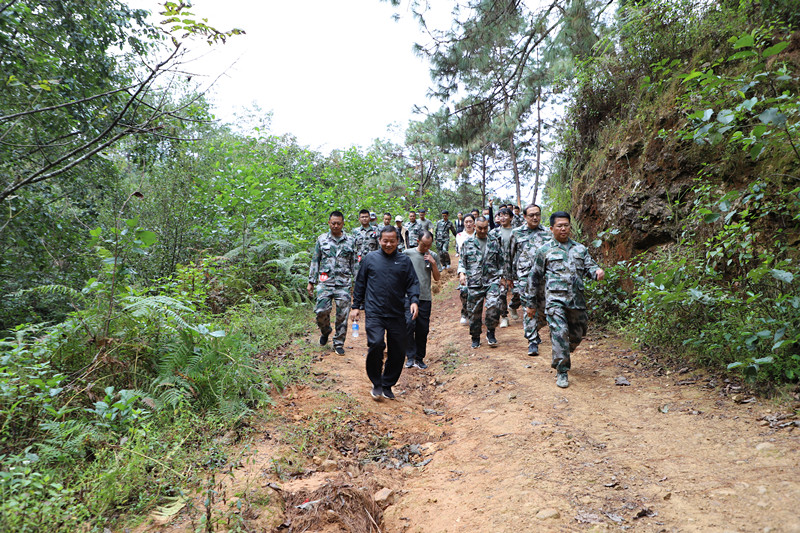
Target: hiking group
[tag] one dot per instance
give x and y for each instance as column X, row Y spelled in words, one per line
column 390, row 269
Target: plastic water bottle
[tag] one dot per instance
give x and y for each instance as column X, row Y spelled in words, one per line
column 355, row 329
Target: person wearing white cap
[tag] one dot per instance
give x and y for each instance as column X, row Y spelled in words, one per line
column 402, row 233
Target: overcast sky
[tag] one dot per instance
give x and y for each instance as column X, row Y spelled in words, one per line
column 334, row 73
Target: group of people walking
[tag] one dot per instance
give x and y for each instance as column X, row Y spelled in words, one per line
column 393, row 266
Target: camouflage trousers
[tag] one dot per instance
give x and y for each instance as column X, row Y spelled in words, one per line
column 476, row 297
column 462, row 293
column 325, row 299
column 515, row 299
column 567, row 328
column 530, row 325
column 444, row 253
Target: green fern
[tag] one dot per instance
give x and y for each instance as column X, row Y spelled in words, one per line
column 158, row 307
column 55, row 289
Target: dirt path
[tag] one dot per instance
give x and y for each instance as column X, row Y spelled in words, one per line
column 483, row 441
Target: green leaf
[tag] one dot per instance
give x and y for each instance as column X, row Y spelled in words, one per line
column 775, row 49
column 737, row 364
column 707, row 114
column 742, row 54
column 711, row 217
column 745, row 41
column 772, row 116
column 764, row 360
column 726, row 116
column 749, row 103
column 148, row 238
column 692, row 75
column 782, row 275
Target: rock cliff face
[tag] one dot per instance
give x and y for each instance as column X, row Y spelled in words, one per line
column 639, row 178
column 639, row 187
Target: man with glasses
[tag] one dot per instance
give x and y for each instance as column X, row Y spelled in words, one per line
column 560, row 267
column 529, row 237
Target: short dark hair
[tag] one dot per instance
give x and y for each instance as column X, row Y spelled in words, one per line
column 559, row 214
column 412, row 211
column 460, row 213
column 387, row 213
column 525, row 212
column 505, row 211
column 387, row 229
column 363, row 211
column 336, row 213
column 426, row 234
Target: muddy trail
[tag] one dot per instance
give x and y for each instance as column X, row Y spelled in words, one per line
column 483, row 441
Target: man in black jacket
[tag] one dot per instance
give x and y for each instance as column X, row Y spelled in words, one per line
column 385, row 279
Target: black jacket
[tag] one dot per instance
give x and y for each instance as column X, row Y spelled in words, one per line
column 383, row 282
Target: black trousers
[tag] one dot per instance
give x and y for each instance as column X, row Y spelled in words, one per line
column 396, row 340
column 418, row 331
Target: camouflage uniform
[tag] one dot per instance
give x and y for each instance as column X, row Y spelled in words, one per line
column 442, row 238
column 505, row 247
column 517, row 221
column 561, row 267
column 366, row 241
column 525, row 242
column 483, row 268
column 413, row 230
column 333, row 264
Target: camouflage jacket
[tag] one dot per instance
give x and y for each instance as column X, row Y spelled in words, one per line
column 561, row 267
column 505, row 247
column 412, row 233
column 366, row 240
column 443, row 230
column 481, row 266
column 425, row 225
column 333, row 261
column 518, row 221
column 524, row 244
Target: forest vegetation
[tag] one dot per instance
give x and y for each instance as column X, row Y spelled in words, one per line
column 153, row 258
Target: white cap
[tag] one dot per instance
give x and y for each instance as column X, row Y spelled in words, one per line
column 398, row 218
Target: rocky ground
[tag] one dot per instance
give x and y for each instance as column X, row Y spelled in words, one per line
column 483, row 441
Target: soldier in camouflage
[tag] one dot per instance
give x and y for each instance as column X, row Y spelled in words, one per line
column 502, row 232
column 333, row 264
column 480, row 269
column 387, row 221
column 365, row 237
column 412, row 230
column 519, row 219
column 525, row 242
column 442, row 237
column 560, row 267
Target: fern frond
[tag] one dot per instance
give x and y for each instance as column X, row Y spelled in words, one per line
column 60, row 290
column 157, row 306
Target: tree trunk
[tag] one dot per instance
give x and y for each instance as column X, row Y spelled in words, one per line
column 538, row 142
column 515, row 167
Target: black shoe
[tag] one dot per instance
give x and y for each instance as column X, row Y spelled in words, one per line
column 377, row 393
column 533, row 349
column 323, row 339
column 339, row 350
column 476, row 343
column 388, row 394
column 409, row 363
column 490, row 338
column 421, row 365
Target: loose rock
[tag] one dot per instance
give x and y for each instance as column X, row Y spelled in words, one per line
column 384, row 496
column 546, row 514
